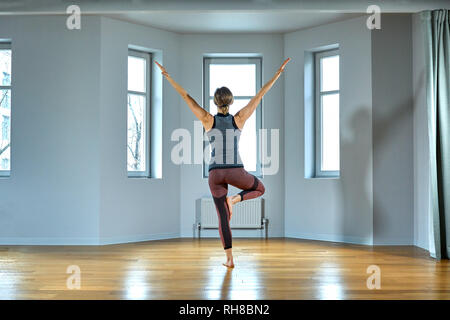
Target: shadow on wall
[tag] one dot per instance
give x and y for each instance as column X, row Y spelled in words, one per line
column 388, row 191
column 354, row 179
column 355, row 175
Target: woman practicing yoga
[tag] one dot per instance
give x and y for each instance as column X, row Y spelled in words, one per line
column 223, row 131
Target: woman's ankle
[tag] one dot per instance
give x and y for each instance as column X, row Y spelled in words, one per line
column 229, row 253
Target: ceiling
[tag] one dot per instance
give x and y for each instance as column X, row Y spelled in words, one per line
column 214, row 16
column 11, row 6
column 232, row 22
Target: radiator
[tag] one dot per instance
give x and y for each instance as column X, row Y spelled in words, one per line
column 246, row 215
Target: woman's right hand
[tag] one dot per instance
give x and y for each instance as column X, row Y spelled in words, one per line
column 163, row 70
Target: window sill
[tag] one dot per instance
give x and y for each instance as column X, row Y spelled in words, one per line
column 143, row 178
column 324, row 178
column 5, row 175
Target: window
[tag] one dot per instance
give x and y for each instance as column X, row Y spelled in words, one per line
column 327, row 113
column 138, row 117
column 243, row 77
column 5, row 108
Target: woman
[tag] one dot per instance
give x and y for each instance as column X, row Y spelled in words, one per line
column 226, row 166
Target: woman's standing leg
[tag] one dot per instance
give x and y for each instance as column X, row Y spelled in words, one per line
column 219, row 190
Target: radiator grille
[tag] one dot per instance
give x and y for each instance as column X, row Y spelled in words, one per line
column 246, row 214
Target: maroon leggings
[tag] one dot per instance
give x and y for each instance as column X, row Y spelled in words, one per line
column 218, row 180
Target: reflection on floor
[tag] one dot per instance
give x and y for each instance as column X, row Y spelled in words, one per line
column 191, row 269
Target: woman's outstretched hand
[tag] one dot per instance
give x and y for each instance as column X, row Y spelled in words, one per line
column 283, row 66
column 163, row 70
column 204, row 116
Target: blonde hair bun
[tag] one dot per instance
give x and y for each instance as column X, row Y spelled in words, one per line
column 223, row 98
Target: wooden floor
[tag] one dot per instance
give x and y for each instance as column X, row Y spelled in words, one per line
column 191, row 269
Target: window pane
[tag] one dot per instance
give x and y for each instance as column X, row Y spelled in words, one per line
column 5, row 134
column 136, row 74
column 329, row 67
column 4, row 164
column 5, row 128
column 5, row 100
column 330, row 132
column 239, row 78
column 136, row 133
column 5, row 67
column 247, row 144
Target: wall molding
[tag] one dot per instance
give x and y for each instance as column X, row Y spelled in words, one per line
column 87, row 241
column 331, row 238
column 395, row 242
column 138, row 238
column 48, row 241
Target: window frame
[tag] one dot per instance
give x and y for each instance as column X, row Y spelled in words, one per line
column 147, row 117
column 7, row 173
column 257, row 61
column 318, row 94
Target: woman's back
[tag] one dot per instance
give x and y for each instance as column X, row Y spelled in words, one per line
column 224, row 138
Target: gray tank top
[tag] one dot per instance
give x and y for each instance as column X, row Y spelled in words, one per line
column 224, row 139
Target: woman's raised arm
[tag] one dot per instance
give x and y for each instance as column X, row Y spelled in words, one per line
column 242, row 115
column 204, row 116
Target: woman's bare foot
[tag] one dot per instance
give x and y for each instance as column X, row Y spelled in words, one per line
column 231, row 201
column 230, row 205
column 229, row 264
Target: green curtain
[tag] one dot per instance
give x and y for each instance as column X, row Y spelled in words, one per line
column 437, row 43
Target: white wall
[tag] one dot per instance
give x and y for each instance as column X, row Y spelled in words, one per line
column 331, row 209
column 421, row 159
column 192, row 184
column 52, row 195
column 133, row 209
column 392, row 125
column 69, row 182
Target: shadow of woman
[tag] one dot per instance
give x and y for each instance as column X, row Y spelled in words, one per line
column 355, row 178
column 363, row 212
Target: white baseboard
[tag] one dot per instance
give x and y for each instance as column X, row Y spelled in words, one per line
column 394, row 242
column 138, row 238
column 58, row 241
column 47, row 241
column 331, row 238
column 422, row 245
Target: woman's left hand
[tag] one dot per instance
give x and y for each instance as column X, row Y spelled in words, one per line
column 283, row 66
